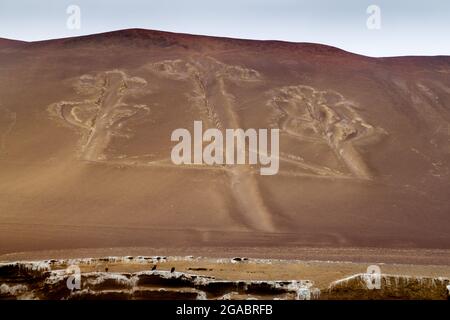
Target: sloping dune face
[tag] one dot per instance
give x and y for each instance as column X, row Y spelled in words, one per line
column 85, row 127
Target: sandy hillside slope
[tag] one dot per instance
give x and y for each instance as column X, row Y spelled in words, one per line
column 85, row 127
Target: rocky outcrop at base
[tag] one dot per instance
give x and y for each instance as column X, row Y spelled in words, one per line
column 75, row 279
column 386, row 286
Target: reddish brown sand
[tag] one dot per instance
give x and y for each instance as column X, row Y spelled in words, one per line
column 85, row 128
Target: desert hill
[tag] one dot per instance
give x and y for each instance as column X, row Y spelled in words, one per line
column 85, row 127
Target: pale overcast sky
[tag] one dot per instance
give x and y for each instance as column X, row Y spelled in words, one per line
column 408, row 27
